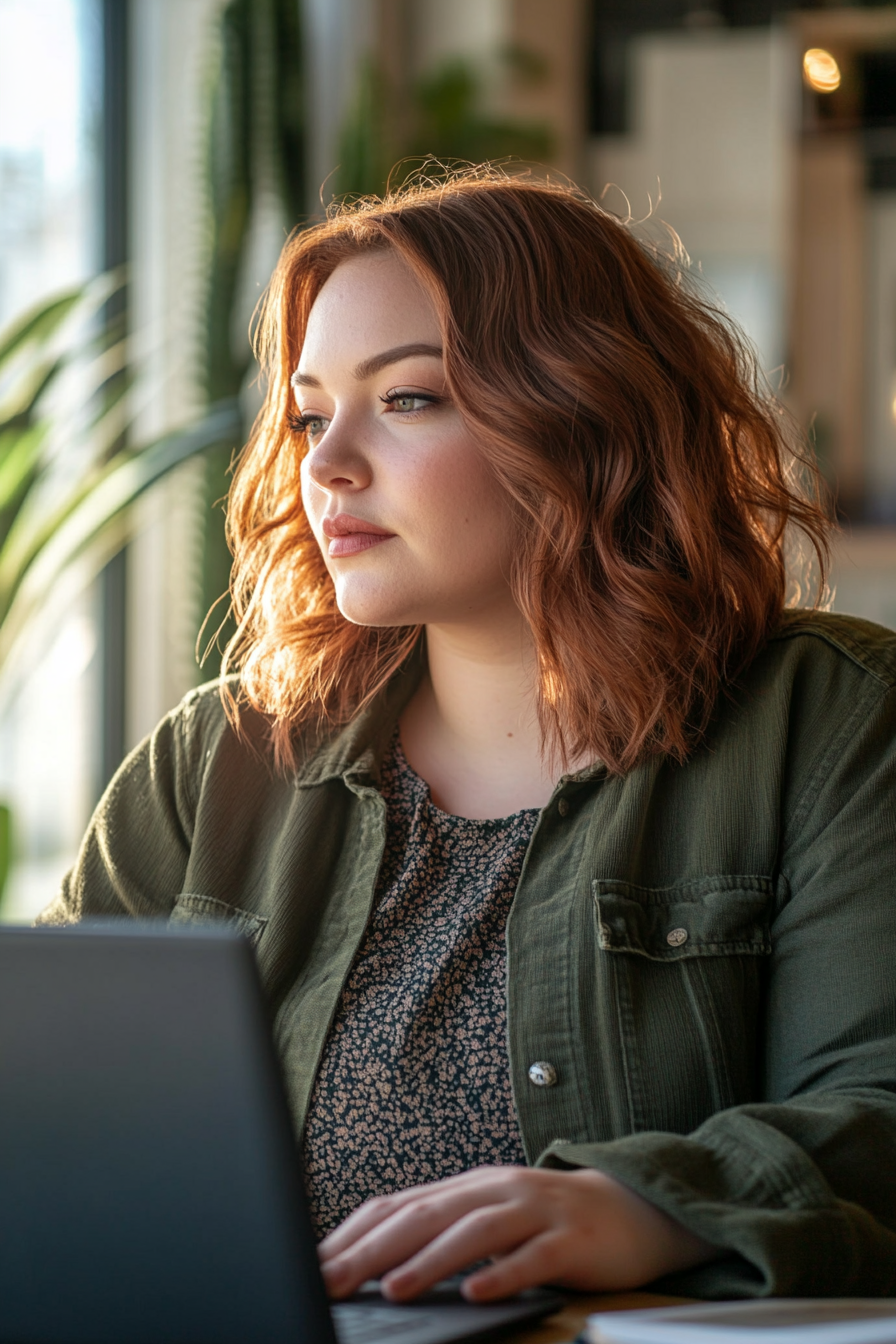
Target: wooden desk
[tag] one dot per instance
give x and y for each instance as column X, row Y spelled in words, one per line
column 563, row 1327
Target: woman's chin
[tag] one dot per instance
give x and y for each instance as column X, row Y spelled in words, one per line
column 376, row 613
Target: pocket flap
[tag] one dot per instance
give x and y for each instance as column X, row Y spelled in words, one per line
column 712, row 917
column 192, row 908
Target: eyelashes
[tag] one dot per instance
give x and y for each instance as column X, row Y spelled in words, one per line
column 392, row 398
column 302, row 424
column 296, row 422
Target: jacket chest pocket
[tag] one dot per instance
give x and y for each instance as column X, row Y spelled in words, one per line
column 193, row 908
column 684, row 967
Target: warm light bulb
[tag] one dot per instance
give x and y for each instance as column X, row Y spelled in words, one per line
column 893, row 407
column 821, row 71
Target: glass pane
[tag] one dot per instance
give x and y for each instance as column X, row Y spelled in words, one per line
column 49, row 115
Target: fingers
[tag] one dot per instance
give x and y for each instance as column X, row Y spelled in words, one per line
column 389, row 1243
column 387, row 1233
column 455, row 1193
column 493, row 1230
column 358, row 1224
column 540, row 1259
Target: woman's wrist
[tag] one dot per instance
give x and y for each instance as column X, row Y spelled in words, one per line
column 652, row 1242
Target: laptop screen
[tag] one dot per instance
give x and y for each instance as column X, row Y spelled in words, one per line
column 149, row 1181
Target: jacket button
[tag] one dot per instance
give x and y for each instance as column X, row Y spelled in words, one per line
column 563, row 807
column 542, row 1074
column 675, row 937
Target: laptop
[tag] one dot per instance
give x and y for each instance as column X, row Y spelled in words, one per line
column 150, row 1186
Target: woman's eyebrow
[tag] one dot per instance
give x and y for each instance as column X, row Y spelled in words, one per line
column 374, row 364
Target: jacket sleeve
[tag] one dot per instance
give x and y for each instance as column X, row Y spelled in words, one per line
column 799, row 1189
column 134, row 856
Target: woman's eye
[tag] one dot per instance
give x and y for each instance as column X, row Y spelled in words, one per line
column 310, row 425
column 406, row 402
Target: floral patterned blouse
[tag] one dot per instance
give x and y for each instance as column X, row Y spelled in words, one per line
column 414, row 1083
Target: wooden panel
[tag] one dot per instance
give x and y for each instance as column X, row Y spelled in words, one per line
column 827, row 328
column 570, row 1322
column 556, row 32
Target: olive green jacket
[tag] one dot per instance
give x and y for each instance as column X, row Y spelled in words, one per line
column 705, row 954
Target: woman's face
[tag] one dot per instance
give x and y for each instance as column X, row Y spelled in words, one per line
column 412, row 525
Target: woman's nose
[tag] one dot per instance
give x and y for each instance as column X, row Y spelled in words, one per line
column 338, row 462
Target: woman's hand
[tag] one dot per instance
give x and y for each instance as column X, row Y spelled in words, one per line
column 577, row 1229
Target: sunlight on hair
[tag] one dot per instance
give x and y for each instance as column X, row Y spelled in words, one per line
column 663, row 489
column 820, row 70
column 806, row 585
column 551, row 687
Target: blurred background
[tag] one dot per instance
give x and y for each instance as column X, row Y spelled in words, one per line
column 168, row 147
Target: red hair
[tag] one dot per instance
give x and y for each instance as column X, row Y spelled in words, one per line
column 654, row 478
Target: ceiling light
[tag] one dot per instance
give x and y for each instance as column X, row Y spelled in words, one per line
column 820, row 70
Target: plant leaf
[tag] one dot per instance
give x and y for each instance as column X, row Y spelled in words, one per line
column 5, row 847
column 38, row 324
column 26, row 580
column 19, row 457
column 19, row 404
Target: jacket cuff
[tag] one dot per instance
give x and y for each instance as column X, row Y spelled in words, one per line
column 780, row 1232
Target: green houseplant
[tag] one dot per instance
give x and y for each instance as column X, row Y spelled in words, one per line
column 67, row 481
column 66, row 484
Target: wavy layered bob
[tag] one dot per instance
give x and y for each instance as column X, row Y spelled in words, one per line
column 654, row 480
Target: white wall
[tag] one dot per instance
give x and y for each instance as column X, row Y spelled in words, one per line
column 474, row 29
column 864, row 574
column 710, row 152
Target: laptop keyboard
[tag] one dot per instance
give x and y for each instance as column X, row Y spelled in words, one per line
column 441, row 1315
column 356, row 1324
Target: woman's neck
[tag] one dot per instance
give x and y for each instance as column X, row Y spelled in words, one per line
column 471, row 730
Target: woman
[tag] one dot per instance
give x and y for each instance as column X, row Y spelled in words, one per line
column 567, row 851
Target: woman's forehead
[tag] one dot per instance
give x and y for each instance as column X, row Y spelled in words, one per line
column 368, row 304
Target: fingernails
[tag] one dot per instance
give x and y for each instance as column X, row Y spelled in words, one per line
column 398, row 1284
column 475, row 1288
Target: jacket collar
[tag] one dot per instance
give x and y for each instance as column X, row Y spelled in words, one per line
column 357, row 749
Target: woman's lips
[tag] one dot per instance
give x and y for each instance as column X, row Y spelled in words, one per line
column 354, row 542
column 350, row 536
